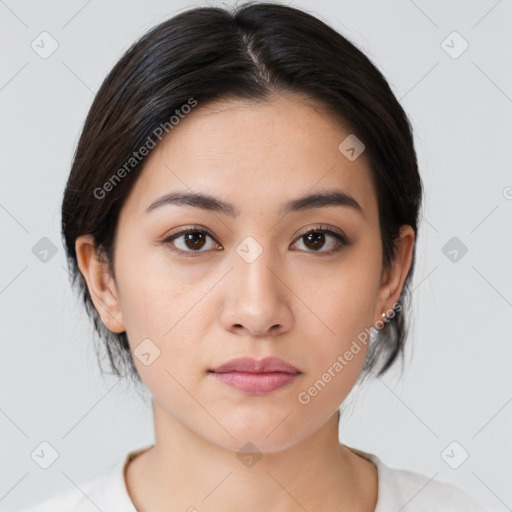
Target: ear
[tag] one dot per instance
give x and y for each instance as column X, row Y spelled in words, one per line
column 100, row 283
column 393, row 278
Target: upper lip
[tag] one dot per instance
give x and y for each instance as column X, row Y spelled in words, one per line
column 248, row 364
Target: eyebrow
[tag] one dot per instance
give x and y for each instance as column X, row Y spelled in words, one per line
column 210, row 203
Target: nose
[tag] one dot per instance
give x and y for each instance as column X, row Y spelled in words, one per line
column 257, row 297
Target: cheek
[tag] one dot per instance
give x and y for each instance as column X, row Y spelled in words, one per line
column 334, row 368
column 160, row 320
column 150, row 294
column 343, row 301
column 356, row 291
column 344, row 305
column 149, row 308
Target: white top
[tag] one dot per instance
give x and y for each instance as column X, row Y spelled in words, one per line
column 398, row 489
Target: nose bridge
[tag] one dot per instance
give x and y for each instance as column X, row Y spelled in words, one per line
column 256, row 301
column 253, row 263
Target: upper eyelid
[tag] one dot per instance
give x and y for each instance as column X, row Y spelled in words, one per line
column 185, row 231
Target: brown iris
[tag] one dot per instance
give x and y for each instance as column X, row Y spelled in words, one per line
column 317, row 240
column 195, row 240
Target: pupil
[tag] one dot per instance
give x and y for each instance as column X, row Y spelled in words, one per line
column 191, row 237
column 315, row 238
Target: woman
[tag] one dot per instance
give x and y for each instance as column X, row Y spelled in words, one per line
column 241, row 220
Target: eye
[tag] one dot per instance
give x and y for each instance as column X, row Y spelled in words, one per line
column 191, row 241
column 195, row 240
column 316, row 239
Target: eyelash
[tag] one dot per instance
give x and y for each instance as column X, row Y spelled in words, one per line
column 341, row 240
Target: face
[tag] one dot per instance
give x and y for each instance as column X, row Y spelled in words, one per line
column 254, row 278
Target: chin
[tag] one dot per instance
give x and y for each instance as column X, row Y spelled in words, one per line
column 269, row 433
column 256, row 442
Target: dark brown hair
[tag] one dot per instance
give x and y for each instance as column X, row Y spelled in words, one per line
column 247, row 52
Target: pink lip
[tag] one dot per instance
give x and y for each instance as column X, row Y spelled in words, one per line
column 248, row 364
column 256, row 377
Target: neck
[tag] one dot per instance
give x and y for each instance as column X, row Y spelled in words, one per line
column 184, row 471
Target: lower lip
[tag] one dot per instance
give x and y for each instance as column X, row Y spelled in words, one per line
column 256, row 383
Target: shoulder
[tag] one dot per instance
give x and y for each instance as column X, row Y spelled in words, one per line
column 78, row 499
column 401, row 489
column 104, row 491
column 419, row 493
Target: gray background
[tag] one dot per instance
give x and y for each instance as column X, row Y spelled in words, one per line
column 457, row 385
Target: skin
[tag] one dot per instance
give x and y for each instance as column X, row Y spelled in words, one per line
column 205, row 310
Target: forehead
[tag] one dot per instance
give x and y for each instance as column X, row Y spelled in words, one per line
column 255, row 154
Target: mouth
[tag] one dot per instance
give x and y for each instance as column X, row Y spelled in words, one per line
column 256, row 377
